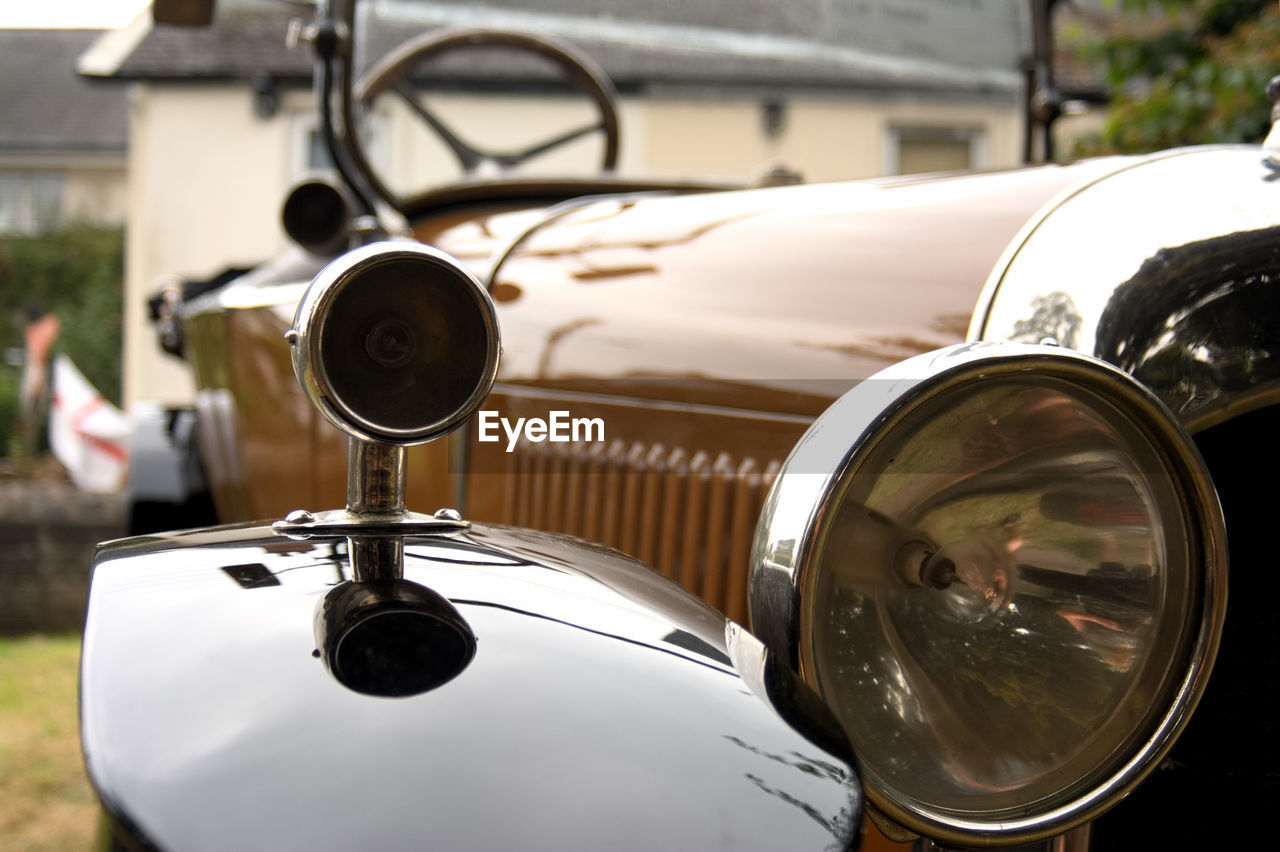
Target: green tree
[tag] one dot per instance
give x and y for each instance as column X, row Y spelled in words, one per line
column 1186, row 72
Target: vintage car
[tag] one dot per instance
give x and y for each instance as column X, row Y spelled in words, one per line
column 954, row 464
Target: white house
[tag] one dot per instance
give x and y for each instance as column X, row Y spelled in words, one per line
column 222, row 121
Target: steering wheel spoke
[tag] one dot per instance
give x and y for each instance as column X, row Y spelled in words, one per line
column 517, row 157
column 469, row 157
column 392, row 74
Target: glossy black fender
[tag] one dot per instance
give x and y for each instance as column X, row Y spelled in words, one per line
column 1167, row 268
column 603, row 707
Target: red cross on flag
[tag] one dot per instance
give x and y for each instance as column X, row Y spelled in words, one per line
column 89, row 435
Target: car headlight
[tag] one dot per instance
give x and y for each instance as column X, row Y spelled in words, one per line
column 1004, row 568
column 395, row 343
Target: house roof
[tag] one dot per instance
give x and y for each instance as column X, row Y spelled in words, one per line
column 639, row 43
column 45, row 107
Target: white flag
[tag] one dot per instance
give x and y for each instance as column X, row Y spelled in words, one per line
column 89, row 435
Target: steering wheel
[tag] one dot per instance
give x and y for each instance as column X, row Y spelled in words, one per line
column 392, row 74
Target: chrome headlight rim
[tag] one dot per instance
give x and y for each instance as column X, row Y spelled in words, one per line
column 308, row 340
column 803, row 503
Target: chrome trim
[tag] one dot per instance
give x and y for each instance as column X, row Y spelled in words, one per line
column 336, row 523
column 562, row 209
column 804, row 498
column 637, row 401
column 375, row 478
column 554, row 212
column 1077, row 839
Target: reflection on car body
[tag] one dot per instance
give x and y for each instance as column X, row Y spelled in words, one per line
column 984, row 556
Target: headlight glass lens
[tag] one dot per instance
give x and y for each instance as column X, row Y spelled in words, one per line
column 999, row 597
column 406, row 345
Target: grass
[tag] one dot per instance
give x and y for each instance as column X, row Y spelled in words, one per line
column 45, row 800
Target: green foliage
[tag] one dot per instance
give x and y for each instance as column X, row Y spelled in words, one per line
column 9, row 383
column 1187, row 72
column 77, row 273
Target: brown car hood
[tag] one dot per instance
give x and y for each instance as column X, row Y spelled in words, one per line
column 771, row 299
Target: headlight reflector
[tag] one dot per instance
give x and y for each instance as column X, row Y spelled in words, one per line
column 1004, row 569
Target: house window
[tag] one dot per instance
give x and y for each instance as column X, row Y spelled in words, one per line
column 317, row 155
column 30, row 202
column 310, row 153
column 914, row 150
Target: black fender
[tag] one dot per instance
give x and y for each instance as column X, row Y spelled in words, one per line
column 596, row 704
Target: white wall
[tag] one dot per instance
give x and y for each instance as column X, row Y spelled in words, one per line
column 206, row 178
column 823, row 138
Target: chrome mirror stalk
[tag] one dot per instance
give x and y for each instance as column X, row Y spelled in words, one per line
column 375, row 486
column 395, row 344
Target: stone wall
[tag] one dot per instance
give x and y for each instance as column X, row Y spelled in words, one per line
column 47, row 534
